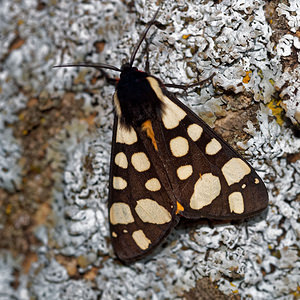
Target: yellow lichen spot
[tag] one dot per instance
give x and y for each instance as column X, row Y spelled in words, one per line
column 277, row 110
column 186, row 36
column 272, row 81
column 8, row 209
column 20, row 22
column 147, row 127
column 179, row 208
column 296, row 293
column 247, row 78
column 271, row 21
column 21, row 116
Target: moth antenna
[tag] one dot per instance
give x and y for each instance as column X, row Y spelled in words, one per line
column 91, row 65
column 142, row 38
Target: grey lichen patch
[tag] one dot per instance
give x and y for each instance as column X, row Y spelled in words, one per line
column 56, row 273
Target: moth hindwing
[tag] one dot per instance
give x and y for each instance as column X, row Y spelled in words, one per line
column 167, row 163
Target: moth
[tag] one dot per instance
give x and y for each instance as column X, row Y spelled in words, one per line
column 166, row 163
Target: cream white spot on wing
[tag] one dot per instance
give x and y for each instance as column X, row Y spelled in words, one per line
column 213, row 147
column 179, row 146
column 117, row 105
column 140, row 239
column 256, row 180
column 114, row 234
column 206, row 189
column 184, row 172
column 121, row 160
column 125, row 231
column 120, row 213
column 125, row 135
column 119, row 183
column 172, row 113
column 150, row 211
column 236, row 202
column 140, row 161
column 243, row 186
column 235, row 170
column 153, row 185
column 195, row 132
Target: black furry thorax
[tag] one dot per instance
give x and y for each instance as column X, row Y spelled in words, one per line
column 138, row 102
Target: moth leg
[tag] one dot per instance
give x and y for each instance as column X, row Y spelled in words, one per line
column 188, row 86
column 109, row 80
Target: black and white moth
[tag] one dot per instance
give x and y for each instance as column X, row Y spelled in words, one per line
column 167, row 163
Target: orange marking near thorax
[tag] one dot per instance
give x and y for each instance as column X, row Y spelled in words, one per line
column 147, row 127
column 179, row 208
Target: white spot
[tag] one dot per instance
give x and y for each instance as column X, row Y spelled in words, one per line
column 236, row 202
column 153, row 185
column 119, row 183
column 179, row 146
column 140, row 239
column 194, row 131
column 140, row 161
column 172, row 113
column 120, row 213
column 235, row 170
column 213, row 147
column 121, row 160
column 184, row 172
column 243, row 186
column 125, row 135
column 256, row 180
column 114, row 234
column 125, row 231
column 117, row 105
column 150, row 211
column 206, row 189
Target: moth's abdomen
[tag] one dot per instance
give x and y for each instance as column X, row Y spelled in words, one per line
column 135, row 101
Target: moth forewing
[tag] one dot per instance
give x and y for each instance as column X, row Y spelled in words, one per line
column 211, row 178
column 140, row 211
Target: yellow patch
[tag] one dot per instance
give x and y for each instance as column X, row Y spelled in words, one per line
column 247, row 78
column 147, row 127
column 186, row 36
column 179, row 208
column 276, row 109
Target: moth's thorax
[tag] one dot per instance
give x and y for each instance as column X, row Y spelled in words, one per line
column 135, row 100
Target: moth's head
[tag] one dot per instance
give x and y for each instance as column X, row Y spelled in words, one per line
column 127, row 68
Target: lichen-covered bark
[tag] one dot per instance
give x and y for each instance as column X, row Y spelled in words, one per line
column 55, row 135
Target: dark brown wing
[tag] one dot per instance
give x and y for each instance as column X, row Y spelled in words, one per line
column 141, row 212
column 208, row 178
